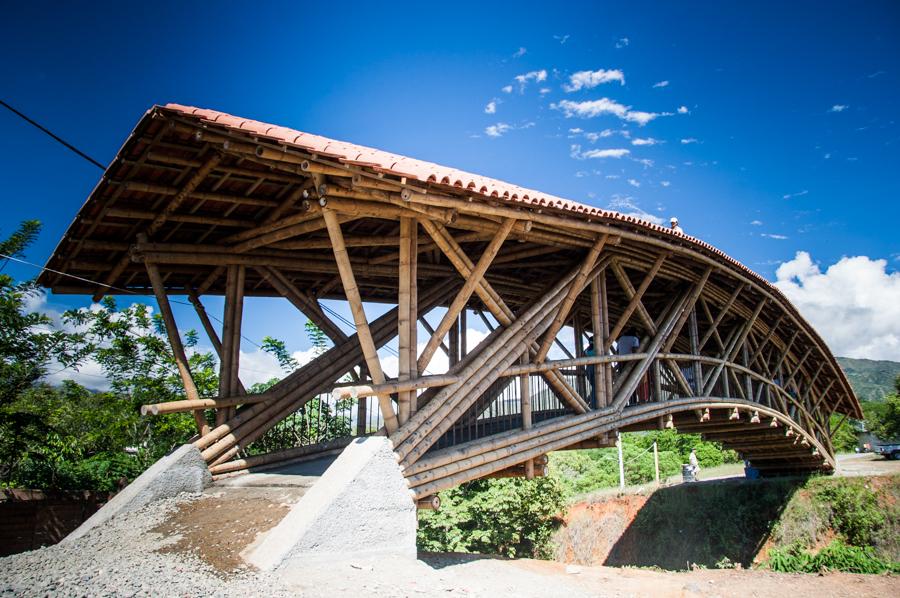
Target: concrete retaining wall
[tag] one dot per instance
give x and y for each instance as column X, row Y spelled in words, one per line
column 361, row 506
column 183, row 470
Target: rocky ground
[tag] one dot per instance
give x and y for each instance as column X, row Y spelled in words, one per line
column 131, row 557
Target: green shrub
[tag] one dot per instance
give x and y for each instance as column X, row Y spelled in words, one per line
column 855, row 512
column 837, row 556
column 511, row 517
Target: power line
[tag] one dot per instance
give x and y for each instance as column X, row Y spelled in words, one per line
column 53, row 135
column 114, row 288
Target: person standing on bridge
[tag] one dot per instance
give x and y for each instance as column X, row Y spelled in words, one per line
column 589, row 351
column 675, row 227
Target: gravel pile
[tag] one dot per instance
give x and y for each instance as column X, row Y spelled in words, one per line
column 120, row 559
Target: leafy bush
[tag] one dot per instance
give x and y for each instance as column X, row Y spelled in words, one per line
column 837, row 556
column 511, row 517
column 854, row 511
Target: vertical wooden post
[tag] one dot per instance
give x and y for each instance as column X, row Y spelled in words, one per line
column 462, row 334
column 748, row 381
column 362, row 406
column 599, row 380
column 227, row 338
column 413, row 309
column 190, row 389
column 403, row 323
column 656, row 461
column 695, row 350
column 525, row 398
column 348, row 280
column 604, row 316
column 237, row 320
column 210, row 331
column 621, row 460
column 454, row 343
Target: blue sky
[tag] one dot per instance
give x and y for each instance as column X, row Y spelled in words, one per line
column 775, row 128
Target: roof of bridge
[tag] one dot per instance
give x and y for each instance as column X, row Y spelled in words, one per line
column 156, row 124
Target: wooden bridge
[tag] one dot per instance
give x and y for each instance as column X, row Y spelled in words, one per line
column 203, row 203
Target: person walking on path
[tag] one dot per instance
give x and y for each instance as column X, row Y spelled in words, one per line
column 695, row 465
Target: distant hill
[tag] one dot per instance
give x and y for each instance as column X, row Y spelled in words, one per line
column 871, row 380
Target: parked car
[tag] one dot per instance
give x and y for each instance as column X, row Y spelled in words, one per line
column 888, row 451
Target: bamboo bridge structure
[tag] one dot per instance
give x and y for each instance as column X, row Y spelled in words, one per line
column 200, row 203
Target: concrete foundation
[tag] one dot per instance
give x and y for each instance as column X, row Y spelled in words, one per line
column 184, row 470
column 360, row 507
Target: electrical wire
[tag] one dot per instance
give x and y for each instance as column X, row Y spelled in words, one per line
column 53, row 135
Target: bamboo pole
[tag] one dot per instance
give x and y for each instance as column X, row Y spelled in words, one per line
column 599, row 381
column 525, row 398
column 308, row 306
column 238, row 316
column 403, row 323
column 210, row 332
column 462, row 297
column 363, row 333
column 495, row 304
column 574, row 290
column 200, row 404
column 181, row 361
column 413, row 310
column 420, row 434
column 635, row 297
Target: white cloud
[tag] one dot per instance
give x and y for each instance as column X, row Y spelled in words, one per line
column 591, row 79
column 575, row 152
column 854, row 304
column 640, row 117
column 661, row 84
column 838, row 108
column 773, row 236
column 683, row 110
column 576, row 131
column 627, row 206
column 634, row 182
column 506, row 89
column 756, row 222
column 798, row 194
column 536, row 76
column 520, row 52
column 544, row 90
column 622, row 42
column 665, row 183
column 593, row 108
column 688, row 141
column 645, row 141
column 491, row 107
column 497, row 130
column 645, row 162
column 562, row 39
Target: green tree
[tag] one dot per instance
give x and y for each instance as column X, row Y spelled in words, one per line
column 511, row 517
column 883, row 417
column 28, row 344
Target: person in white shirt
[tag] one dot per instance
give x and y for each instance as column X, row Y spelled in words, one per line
column 675, row 227
column 695, row 464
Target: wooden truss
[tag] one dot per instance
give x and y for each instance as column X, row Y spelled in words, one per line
column 197, row 210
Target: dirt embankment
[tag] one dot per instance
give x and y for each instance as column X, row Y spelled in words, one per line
column 710, row 524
